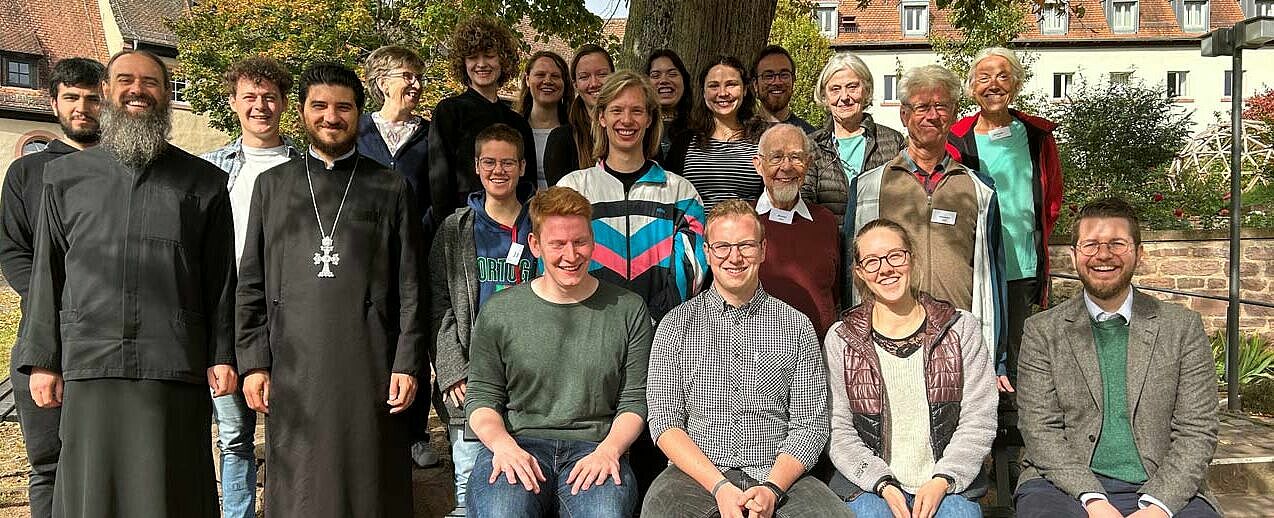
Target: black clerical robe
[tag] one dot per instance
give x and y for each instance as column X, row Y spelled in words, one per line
column 131, row 300
column 331, row 343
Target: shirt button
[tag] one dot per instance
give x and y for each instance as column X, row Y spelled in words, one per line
column 275, row 302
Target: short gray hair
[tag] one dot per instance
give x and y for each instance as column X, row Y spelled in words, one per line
column 387, row 58
column 929, row 77
column 806, row 144
column 1016, row 70
column 845, row 61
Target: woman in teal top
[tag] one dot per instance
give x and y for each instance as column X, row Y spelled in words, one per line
column 850, row 142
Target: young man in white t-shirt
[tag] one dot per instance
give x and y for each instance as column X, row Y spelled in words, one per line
column 258, row 88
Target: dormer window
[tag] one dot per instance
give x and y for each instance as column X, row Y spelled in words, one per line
column 915, row 17
column 20, row 72
column 1053, row 17
column 1194, row 16
column 826, row 16
column 1123, row 16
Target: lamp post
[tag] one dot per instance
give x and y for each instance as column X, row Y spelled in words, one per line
column 1248, row 34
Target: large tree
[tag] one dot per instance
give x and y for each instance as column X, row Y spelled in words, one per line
column 697, row 30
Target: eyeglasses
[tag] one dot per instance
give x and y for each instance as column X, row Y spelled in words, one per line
column 489, row 164
column 748, row 249
column 895, row 258
column 1091, row 248
column 407, row 77
column 986, row 78
column 924, row 109
column 781, row 76
column 797, row 159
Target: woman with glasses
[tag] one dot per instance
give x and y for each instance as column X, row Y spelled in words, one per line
column 570, row 147
column 849, row 142
column 671, row 79
column 545, row 101
column 394, row 135
column 913, row 393
column 716, row 153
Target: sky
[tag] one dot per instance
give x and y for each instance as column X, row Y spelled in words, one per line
column 608, row 8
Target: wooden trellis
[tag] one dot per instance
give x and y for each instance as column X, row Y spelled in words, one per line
column 1208, row 153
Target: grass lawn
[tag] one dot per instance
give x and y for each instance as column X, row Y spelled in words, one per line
column 9, row 316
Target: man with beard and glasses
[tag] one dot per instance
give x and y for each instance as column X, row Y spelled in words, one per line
column 129, row 314
column 1116, row 390
column 773, row 78
column 330, row 316
column 258, row 88
column 75, row 92
column 802, row 257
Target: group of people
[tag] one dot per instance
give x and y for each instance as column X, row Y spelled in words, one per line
column 627, row 293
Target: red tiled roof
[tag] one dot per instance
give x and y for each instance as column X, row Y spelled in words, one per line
column 145, row 20
column 880, row 23
column 54, row 30
column 16, row 34
column 613, row 27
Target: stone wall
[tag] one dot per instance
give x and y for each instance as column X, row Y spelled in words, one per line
column 1196, row 262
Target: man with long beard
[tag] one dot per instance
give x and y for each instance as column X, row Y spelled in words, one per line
column 75, row 93
column 330, row 322
column 129, row 312
column 802, row 260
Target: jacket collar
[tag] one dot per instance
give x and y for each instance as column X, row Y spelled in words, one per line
column 964, row 127
column 1142, row 332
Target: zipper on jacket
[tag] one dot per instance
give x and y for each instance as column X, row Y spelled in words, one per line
column 628, row 237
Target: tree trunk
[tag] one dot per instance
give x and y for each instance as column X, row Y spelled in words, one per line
column 697, row 30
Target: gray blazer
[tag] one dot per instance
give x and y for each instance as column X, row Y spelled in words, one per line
column 1172, row 399
column 454, row 287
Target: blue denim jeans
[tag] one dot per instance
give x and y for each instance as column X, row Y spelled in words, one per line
column 463, row 454
column 236, row 426
column 869, row 505
column 556, row 459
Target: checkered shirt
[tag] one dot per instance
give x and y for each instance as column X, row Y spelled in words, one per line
column 229, row 158
column 744, row 383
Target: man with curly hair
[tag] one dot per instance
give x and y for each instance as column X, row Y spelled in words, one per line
column 483, row 57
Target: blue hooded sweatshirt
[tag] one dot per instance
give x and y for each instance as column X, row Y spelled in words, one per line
column 492, row 242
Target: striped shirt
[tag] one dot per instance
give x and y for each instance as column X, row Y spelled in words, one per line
column 723, row 171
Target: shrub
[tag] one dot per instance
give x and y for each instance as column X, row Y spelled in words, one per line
column 1255, row 358
column 1259, row 397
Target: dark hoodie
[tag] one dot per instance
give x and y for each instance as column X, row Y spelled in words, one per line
column 20, row 209
column 492, row 241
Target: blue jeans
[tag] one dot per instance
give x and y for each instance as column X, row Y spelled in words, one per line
column 463, row 454
column 869, row 505
column 556, row 459
column 236, row 426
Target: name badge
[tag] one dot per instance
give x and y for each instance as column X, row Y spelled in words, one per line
column 945, row 217
column 781, row 216
column 1000, row 133
column 515, row 253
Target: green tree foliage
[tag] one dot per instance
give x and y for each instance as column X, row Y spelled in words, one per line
column 1118, row 140
column 794, row 28
column 1000, row 23
column 217, row 33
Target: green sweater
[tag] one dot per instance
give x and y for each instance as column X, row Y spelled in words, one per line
column 1116, row 453
column 560, row 371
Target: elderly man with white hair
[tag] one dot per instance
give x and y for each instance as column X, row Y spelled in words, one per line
column 1017, row 151
column 950, row 210
column 849, row 142
column 802, row 258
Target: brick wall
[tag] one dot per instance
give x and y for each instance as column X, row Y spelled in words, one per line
column 1196, row 262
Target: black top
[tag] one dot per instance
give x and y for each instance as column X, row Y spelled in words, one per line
column 412, row 159
column 561, row 156
column 19, row 211
column 629, row 179
column 133, row 274
column 456, row 124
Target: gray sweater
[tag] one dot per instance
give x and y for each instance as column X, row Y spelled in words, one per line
column 454, row 287
column 971, row 442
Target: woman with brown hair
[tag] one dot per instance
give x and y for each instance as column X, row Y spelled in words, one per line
column 545, row 101
column 570, row 147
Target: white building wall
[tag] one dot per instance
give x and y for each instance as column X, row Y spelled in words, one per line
column 1204, row 76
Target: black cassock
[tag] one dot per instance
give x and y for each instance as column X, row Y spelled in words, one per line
column 330, row 344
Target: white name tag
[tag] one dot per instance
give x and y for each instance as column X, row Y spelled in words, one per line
column 781, row 216
column 1000, row 133
column 944, row 217
column 515, row 253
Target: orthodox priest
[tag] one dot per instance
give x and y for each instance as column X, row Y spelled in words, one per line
column 329, row 329
column 130, row 309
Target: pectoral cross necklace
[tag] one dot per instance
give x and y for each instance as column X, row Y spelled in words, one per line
column 326, row 256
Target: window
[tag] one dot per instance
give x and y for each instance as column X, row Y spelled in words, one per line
column 891, row 88
column 34, row 145
column 1177, row 85
column 1123, row 16
column 1053, row 18
column 1227, row 88
column 1194, row 16
column 915, row 18
column 1120, row 78
column 19, row 72
column 1062, row 83
column 826, row 16
column 1264, row 8
column 179, row 89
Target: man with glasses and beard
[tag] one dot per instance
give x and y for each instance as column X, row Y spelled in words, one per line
column 773, row 79
column 129, row 314
column 330, row 316
column 75, row 93
column 802, row 256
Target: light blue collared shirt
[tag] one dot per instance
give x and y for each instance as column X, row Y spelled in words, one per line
column 1101, row 315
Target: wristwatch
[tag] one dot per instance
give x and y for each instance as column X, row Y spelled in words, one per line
column 780, row 496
